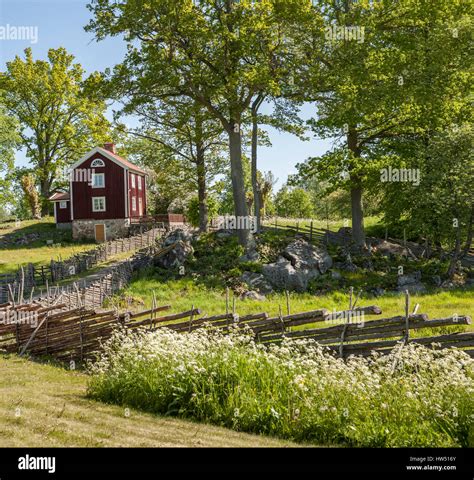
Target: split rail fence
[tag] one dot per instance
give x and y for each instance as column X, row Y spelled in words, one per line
column 76, row 333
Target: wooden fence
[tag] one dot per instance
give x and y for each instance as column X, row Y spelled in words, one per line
column 76, row 333
column 30, row 278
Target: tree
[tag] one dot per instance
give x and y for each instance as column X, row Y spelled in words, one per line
column 58, row 121
column 391, row 83
column 218, row 53
column 9, row 140
column 293, row 203
column 31, row 195
column 185, row 137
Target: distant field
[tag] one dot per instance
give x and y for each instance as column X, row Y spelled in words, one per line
column 36, row 252
column 46, row 406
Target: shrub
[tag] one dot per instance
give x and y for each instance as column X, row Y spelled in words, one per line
column 413, row 397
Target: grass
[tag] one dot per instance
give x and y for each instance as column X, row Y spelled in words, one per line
column 181, row 294
column 54, row 412
column 37, row 252
column 334, row 225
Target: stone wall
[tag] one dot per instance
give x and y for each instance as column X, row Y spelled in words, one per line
column 114, row 228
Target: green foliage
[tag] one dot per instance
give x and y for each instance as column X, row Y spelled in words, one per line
column 192, row 210
column 59, row 115
column 294, row 203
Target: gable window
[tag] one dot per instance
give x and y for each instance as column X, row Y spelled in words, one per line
column 132, row 176
column 98, row 180
column 98, row 204
column 139, row 183
column 97, row 163
column 134, row 203
column 63, row 204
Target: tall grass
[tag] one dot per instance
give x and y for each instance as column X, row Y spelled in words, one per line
column 413, row 397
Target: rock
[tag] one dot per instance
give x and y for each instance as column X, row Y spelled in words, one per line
column 250, row 256
column 348, row 265
column 300, row 263
column 252, row 295
column 409, row 279
column 411, row 282
column 256, row 281
column 176, row 257
column 304, row 255
column 436, row 279
column 176, row 236
column 377, row 292
column 335, row 275
column 390, row 249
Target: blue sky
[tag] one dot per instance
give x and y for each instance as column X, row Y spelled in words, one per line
column 61, row 23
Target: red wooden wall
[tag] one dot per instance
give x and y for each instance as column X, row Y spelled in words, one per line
column 114, row 192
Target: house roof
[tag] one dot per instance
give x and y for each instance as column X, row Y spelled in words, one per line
column 124, row 161
column 111, row 156
column 59, row 197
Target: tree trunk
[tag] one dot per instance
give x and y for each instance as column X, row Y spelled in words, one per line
column 255, row 187
column 202, row 192
column 238, row 184
column 357, row 205
column 45, row 193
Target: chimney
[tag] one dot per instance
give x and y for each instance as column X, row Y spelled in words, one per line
column 110, row 147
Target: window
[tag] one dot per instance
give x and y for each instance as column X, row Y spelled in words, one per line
column 98, row 204
column 98, row 180
column 134, row 203
column 139, row 183
column 97, row 163
column 140, row 205
column 132, row 176
column 63, row 204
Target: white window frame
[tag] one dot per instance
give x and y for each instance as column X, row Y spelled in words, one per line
column 98, row 175
column 132, row 176
column 63, row 204
column 139, row 182
column 98, row 162
column 134, row 204
column 94, row 209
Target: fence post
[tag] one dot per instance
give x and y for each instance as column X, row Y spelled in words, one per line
column 311, row 232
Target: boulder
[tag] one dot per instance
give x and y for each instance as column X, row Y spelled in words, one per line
column 180, row 253
column 252, row 295
column 409, row 279
column 304, row 255
column 250, row 256
column 256, row 281
column 177, row 236
column 411, row 282
column 299, row 263
column 335, row 275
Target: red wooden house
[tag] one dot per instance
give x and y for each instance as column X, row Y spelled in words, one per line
column 106, row 194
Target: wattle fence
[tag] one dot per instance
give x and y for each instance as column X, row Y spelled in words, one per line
column 31, row 280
